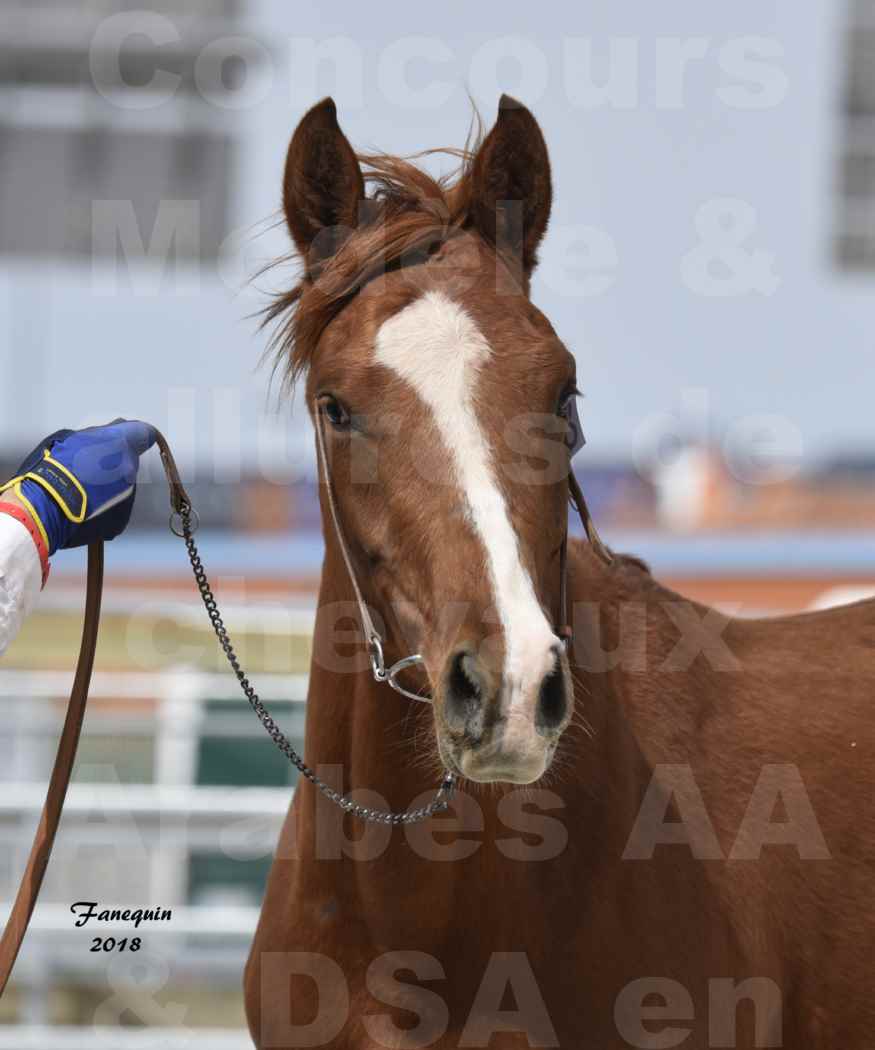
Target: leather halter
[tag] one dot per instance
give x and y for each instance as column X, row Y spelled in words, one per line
column 372, row 636
column 44, row 838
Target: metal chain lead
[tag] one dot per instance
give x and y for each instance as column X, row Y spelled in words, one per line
column 438, row 804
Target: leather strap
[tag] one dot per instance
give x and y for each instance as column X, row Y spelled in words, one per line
column 178, row 496
column 368, row 627
column 592, row 533
column 31, row 881
column 44, row 839
column 564, row 629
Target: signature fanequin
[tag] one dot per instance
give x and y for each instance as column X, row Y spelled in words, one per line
column 85, row 911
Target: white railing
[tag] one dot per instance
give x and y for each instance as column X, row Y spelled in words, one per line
column 198, row 818
column 148, row 685
column 95, row 1037
column 129, row 844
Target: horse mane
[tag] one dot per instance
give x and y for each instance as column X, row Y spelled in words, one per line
column 408, row 213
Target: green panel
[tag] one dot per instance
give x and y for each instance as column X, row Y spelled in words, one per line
column 240, row 761
column 248, row 761
column 211, row 871
column 118, row 759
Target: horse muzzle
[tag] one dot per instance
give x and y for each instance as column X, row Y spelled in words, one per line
column 504, row 728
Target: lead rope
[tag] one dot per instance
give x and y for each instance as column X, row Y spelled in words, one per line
column 185, row 528
column 53, row 807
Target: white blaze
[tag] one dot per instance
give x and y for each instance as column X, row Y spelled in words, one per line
column 438, row 349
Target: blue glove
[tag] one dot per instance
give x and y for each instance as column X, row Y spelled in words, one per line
column 79, row 485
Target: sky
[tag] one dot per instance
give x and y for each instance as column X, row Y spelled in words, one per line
column 688, row 263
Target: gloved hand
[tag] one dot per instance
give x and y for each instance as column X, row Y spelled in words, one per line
column 79, row 485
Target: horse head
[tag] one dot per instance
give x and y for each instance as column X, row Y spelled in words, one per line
column 440, row 395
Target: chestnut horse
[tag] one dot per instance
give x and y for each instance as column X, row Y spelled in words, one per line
column 692, row 863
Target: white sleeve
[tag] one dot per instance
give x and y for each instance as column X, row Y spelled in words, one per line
column 20, row 577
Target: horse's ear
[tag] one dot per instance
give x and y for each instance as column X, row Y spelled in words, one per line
column 511, row 189
column 323, row 184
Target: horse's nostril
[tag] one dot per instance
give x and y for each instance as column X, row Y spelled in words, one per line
column 552, row 700
column 464, row 691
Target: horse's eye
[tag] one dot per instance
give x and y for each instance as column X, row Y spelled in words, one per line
column 335, row 412
column 566, row 399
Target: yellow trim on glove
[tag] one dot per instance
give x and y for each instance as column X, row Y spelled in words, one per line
column 56, row 496
column 30, row 509
column 16, row 485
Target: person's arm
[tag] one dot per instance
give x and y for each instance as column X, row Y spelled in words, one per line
column 76, row 487
column 21, row 573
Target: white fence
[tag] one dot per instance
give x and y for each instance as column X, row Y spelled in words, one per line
column 56, row 1037
column 129, row 844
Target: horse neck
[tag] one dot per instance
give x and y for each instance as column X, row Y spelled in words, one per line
column 636, row 718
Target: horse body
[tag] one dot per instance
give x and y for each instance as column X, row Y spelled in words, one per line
column 692, row 865
column 568, row 933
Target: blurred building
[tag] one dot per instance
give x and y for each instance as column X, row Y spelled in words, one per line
column 126, row 177
column 855, row 236
column 71, row 143
column 697, row 491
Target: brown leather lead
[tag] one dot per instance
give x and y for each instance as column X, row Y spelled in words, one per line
column 178, row 495
column 44, row 839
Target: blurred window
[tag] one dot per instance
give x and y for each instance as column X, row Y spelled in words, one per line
column 229, row 758
column 115, row 759
column 66, row 147
column 235, row 751
column 855, row 233
column 50, row 179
